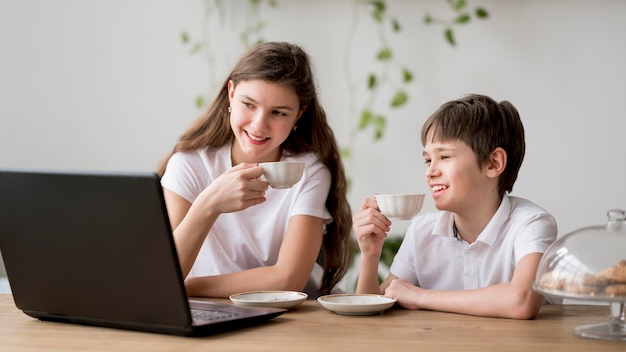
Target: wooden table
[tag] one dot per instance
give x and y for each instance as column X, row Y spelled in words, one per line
column 310, row 327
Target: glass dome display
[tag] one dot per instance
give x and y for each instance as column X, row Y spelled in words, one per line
column 590, row 264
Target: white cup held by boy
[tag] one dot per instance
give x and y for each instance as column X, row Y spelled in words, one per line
column 400, row 206
column 282, row 174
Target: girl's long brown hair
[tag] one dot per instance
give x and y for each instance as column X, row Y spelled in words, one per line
column 288, row 65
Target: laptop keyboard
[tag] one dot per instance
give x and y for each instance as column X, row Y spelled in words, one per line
column 207, row 315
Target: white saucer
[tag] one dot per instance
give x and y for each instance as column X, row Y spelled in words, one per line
column 275, row 299
column 356, row 304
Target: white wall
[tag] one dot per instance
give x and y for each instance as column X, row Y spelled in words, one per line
column 107, row 84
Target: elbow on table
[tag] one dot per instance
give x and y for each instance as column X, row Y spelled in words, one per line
column 526, row 307
column 525, row 312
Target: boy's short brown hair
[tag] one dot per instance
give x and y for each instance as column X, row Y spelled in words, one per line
column 483, row 124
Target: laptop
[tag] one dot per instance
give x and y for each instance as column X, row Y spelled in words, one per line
column 96, row 248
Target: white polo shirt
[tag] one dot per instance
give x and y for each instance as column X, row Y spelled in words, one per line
column 251, row 237
column 431, row 257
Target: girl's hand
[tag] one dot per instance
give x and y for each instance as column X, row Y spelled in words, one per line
column 370, row 227
column 234, row 190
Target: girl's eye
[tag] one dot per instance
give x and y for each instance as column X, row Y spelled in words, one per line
column 279, row 113
column 246, row 104
column 426, row 161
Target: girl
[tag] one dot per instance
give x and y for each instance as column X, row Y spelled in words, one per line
column 232, row 232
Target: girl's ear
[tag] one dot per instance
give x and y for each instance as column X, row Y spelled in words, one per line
column 231, row 90
column 497, row 163
column 302, row 110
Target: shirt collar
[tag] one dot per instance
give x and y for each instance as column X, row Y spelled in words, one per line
column 443, row 225
column 492, row 230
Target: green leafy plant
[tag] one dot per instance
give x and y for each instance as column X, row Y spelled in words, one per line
column 390, row 248
column 387, row 73
column 250, row 35
column 463, row 16
column 391, row 69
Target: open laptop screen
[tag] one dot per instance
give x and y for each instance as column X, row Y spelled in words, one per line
column 92, row 247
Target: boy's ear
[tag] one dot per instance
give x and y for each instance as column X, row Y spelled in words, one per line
column 497, row 163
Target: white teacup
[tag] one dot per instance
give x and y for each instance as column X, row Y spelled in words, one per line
column 400, row 206
column 282, row 174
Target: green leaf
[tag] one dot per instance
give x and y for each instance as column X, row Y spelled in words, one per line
column 384, row 54
column 428, row 19
column 390, row 249
column 199, row 101
column 345, row 153
column 407, row 76
column 459, row 5
column 378, row 16
column 380, row 124
column 450, row 36
column 399, row 99
column 481, row 13
column 379, row 11
column 196, row 48
column 184, row 37
column 395, row 25
column 366, row 119
column 379, row 6
column 462, row 19
column 371, row 81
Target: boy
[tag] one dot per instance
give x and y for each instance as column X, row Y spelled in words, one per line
column 479, row 253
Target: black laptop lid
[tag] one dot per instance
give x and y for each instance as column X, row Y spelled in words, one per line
column 90, row 245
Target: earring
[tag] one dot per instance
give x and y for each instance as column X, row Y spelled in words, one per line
column 295, row 128
column 229, row 109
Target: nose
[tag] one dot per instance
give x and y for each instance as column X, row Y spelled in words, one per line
column 259, row 120
column 431, row 170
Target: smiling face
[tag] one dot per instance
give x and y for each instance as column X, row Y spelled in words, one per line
column 262, row 116
column 457, row 182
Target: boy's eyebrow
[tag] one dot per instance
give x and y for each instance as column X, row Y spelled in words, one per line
column 286, row 107
column 440, row 149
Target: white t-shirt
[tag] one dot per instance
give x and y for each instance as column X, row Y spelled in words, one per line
column 431, row 257
column 252, row 237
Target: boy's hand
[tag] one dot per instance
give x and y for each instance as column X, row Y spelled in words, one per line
column 370, row 227
column 405, row 292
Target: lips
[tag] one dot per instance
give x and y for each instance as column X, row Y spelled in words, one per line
column 255, row 138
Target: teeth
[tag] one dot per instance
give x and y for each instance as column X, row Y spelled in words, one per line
column 436, row 188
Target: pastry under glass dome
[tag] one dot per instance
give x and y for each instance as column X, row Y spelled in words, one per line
column 590, row 264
